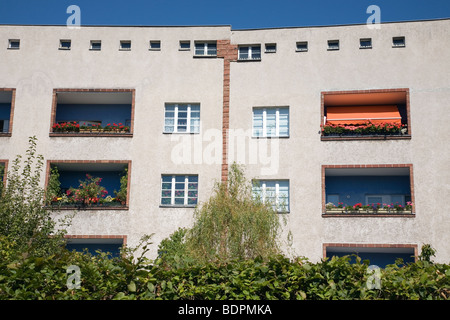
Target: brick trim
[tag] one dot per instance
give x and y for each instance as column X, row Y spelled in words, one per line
column 349, row 166
column 11, row 114
column 55, row 102
column 98, row 236
column 408, row 117
column 368, row 245
column 229, row 53
column 128, row 162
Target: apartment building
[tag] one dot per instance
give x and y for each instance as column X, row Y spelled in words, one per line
column 342, row 127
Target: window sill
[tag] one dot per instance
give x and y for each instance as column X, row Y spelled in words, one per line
column 86, row 208
column 368, row 215
column 205, row 55
column 271, row 137
column 91, row 134
column 249, row 60
column 164, row 132
column 5, row 134
column 177, row 206
column 366, row 137
column 64, row 48
column 301, row 50
column 13, row 48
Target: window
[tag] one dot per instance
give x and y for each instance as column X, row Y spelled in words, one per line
column 333, row 44
column 179, row 190
column 182, row 118
column 273, row 192
column 155, row 45
column 271, row 122
column 65, row 44
column 252, row 52
column 125, row 45
column 302, row 46
column 205, row 48
column 365, row 43
column 387, row 199
column 6, row 111
column 14, row 44
column 398, row 42
column 185, row 45
column 96, row 45
column 271, row 47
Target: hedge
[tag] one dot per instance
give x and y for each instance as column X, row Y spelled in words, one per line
column 277, row 278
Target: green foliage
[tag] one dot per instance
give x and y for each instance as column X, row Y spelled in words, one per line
column 427, row 252
column 232, row 225
column 29, row 227
column 121, row 195
column 274, row 278
column 53, row 186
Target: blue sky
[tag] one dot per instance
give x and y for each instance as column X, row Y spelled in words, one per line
column 240, row 14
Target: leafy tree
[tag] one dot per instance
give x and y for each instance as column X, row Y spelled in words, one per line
column 231, row 225
column 24, row 221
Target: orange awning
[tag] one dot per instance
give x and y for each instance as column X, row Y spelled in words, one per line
column 361, row 114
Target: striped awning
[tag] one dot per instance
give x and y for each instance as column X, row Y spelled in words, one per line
column 361, row 114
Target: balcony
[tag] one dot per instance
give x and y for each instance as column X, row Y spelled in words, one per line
column 368, row 114
column 96, row 243
column 368, row 191
column 92, row 112
column 88, row 185
column 6, row 111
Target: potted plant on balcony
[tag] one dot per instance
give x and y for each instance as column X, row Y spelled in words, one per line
column 121, row 195
column 89, row 192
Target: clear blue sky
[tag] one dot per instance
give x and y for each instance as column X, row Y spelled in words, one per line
column 240, row 14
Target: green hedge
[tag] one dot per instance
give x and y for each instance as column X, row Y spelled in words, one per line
column 277, row 278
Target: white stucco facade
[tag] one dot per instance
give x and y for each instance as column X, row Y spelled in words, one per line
column 286, row 78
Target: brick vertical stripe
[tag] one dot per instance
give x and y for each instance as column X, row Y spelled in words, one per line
column 228, row 52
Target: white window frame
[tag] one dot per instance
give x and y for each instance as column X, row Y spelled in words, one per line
column 262, row 186
column 61, row 47
column 122, row 42
column 172, row 190
column 154, row 42
column 185, row 42
column 10, row 41
column 175, row 118
column 333, row 45
column 402, row 45
column 205, row 48
column 277, row 122
column 298, row 49
column 99, row 42
column 267, row 50
column 250, row 52
column 367, row 40
column 386, row 198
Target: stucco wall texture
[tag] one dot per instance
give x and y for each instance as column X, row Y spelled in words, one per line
column 286, row 78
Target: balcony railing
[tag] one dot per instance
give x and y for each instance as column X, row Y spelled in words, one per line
column 369, row 210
